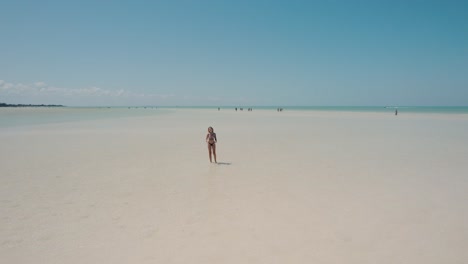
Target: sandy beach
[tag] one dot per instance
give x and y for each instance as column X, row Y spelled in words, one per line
column 289, row 187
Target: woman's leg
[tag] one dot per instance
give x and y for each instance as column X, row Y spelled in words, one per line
column 214, row 152
column 209, row 151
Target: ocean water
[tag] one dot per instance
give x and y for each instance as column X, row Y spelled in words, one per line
column 14, row 117
column 402, row 109
column 25, row 116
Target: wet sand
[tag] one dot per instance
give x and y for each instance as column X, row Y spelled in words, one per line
column 290, row 187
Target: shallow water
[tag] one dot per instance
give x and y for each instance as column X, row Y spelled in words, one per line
column 13, row 117
column 25, row 116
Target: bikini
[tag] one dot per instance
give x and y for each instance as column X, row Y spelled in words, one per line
column 212, row 137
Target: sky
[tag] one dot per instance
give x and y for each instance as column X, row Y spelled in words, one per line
column 234, row 53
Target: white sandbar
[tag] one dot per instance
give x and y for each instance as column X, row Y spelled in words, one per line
column 291, row 187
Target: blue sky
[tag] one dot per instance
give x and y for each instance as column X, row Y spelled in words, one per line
column 234, row 52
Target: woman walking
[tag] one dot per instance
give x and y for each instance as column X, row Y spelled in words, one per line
column 211, row 140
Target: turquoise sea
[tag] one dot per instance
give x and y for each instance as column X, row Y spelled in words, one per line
column 13, row 117
column 24, row 116
column 407, row 109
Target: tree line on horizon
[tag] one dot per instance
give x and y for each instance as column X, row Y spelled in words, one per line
column 29, row 105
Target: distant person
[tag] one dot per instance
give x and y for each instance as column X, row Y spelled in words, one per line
column 396, row 111
column 211, row 140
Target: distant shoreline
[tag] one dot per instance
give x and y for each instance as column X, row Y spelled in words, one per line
column 354, row 109
column 29, row 105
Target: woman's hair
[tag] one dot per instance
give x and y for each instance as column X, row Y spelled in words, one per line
column 211, row 129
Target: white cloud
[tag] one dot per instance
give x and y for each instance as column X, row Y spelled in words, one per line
column 40, row 84
column 162, row 96
column 41, row 91
column 5, row 86
column 119, row 92
column 44, row 89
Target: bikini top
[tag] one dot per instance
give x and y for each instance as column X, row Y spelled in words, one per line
column 212, row 136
